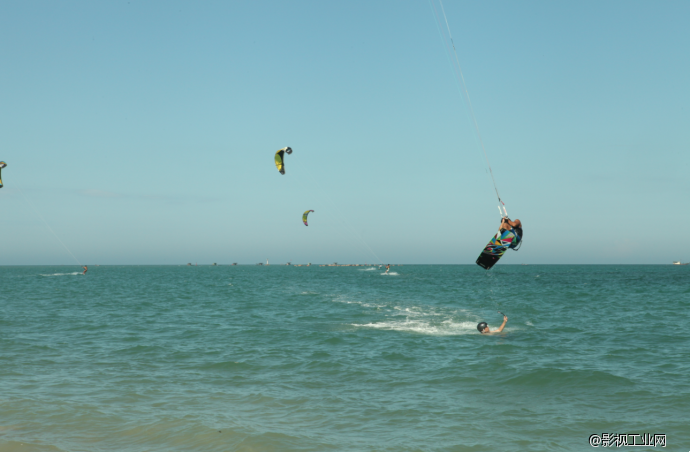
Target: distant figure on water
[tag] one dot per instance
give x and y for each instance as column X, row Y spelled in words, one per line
column 85, row 269
column 388, row 267
column 484, row 328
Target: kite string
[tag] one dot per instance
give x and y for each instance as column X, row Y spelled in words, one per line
column 47, row 225
column 461, row 79
column 451, row 64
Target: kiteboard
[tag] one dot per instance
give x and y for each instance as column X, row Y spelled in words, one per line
column 495, row 249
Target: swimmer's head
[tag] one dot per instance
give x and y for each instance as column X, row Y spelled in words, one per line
column 482, row 326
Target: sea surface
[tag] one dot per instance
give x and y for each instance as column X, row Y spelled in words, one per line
column 256, row 358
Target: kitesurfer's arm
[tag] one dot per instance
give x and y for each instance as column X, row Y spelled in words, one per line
column 507, row 223
column 503, row 325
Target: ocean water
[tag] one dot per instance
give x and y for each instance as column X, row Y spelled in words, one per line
column 247, row 358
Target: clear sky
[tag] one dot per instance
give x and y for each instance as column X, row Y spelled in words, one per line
column 143, row 132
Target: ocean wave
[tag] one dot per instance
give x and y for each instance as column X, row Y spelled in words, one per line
column 365, row 304
column 569, row 379
column 225, row 365
column 151, row 359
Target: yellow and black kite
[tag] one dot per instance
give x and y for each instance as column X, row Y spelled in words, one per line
column 2, row 165
column 280, row 155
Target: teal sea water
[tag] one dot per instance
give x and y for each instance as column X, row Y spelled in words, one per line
column 247, row 358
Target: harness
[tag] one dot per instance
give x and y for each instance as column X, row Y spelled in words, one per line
column 518, row 238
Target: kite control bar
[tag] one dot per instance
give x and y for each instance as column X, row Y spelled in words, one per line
column 502, row 212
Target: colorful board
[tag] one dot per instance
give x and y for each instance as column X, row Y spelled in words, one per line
column 496, row 248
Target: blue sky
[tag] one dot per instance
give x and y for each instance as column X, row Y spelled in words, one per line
column 144, row 132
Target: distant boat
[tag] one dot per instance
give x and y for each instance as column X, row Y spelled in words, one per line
column 680, row 263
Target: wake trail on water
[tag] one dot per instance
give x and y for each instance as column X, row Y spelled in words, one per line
column 61, row 274
column 425, row 320
column 445, row 328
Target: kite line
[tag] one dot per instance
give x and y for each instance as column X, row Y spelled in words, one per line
column 457, row 72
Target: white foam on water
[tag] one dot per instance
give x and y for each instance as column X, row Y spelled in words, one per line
column 422, row 319
column 367, row 269
column 410, row 311
column 528, row 323
column 389, row 274
column 62, row 274
column 341, row 299
column 445, row 328
column 365, row 305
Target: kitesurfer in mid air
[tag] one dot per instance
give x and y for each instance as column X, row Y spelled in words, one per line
column 515, row 226
column 85, row 269
column 484, row 328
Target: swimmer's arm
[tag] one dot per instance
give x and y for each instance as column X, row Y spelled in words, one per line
column 503, row 325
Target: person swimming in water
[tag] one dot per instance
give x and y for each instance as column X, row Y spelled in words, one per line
column 85, row 269
column 484, row 328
